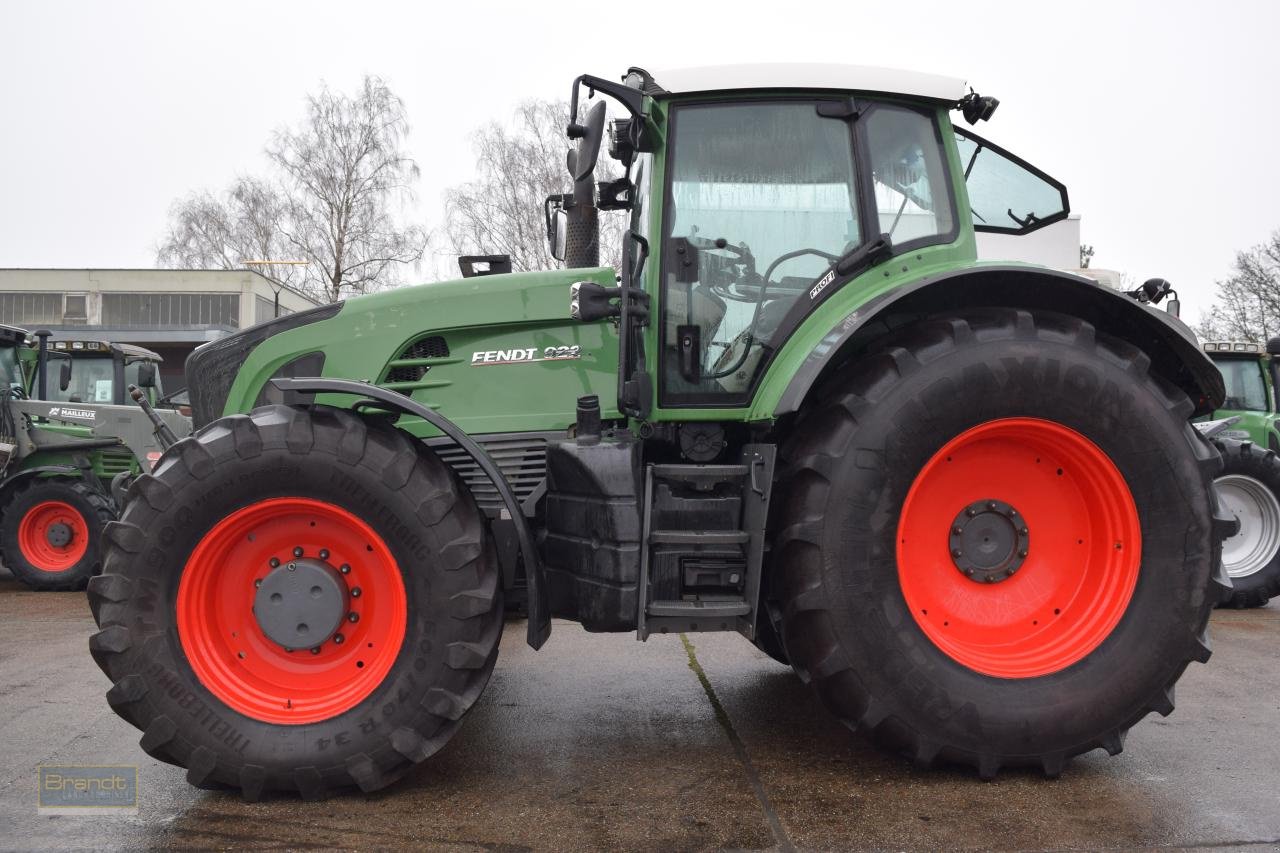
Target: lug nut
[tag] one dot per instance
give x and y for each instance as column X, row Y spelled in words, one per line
column 971, row 512
column 353, row 616
column 324, row 553
column 991, row 504
column 1024, row 531
column 273, row 562
column 339, row 639
column 958, row 530
column 1022, row 554
column 957, row 553
column 293, row 566
column 355, row 592
column 297, row 552
column 345, row 569
column 315, row 650
column 257, row 583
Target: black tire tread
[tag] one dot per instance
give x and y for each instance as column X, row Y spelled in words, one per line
column 104, row 512
column 300, row 431
column 1247, row 458
column 805, row 471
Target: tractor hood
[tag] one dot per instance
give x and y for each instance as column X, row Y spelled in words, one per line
column 426, row 342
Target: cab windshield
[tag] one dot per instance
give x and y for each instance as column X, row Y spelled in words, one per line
column 1246, row 384
column 92, row 380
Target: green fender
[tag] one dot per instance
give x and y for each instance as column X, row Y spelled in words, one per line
column 1171, row 345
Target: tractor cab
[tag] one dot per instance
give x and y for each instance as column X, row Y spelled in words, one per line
column 1251, row 372
column 757, row 193
column 101, row 372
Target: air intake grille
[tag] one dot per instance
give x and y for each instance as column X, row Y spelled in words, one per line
column 522, row 460
column 432, row 347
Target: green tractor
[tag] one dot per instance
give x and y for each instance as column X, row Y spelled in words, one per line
column 69, row 449
column 964, row 500
column 1249, row 484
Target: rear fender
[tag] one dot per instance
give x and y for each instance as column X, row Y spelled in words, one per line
column 1171, row 345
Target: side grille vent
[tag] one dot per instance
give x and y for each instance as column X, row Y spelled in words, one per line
column 432, row 347
column 522, row 460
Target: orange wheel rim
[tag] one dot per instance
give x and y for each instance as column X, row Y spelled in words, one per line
column 230, row 645
column 53, row 536
column 1018, row 548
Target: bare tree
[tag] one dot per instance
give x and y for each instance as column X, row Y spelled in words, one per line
column 347, row 177
column 222, row 232
column 1247, row 306
column 344, row 179
column 518, row 166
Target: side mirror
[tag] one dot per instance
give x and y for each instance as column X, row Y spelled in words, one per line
column 64, row 374
column 558, row 233
column 147, row 374
column 1273, row 346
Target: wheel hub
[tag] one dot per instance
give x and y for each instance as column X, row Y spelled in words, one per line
column 301, row 603
column 989, row 541
column 59, row 534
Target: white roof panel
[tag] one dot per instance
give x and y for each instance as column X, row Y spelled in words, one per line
column 810, row 75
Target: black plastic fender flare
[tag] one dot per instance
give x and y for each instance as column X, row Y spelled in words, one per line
column 1172, row 346
column 539, row 609
column 10, row 483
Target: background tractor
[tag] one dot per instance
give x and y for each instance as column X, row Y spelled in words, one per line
column 61, row 455
column 1249, row 484
column 962, row 499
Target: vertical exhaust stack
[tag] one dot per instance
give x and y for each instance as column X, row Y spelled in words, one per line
column 582, row 234
column 582, row 241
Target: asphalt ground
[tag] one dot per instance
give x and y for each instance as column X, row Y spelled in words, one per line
column 681, row 743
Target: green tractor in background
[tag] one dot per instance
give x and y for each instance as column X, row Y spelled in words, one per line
column 962, row 499
column 1249, row 484
column 68, row 450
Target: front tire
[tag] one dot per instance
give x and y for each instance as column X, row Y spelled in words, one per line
column 1249, row 487
column 358, row 535
column 995, row 543
column 51, row 533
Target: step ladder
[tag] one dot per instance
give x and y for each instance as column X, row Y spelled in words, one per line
column 702, row 546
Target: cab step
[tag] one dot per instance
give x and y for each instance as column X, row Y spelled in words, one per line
column 702, row 545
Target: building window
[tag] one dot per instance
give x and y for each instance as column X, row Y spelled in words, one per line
column 264, row 309
column 31, row 309
column 151, row 310
column 75, row 309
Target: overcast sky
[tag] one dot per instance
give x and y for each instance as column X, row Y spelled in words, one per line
column 1161, row 118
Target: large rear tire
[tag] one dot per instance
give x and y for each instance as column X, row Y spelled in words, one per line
column 362, row 538
column 995, row 542
column 51, row 533
column 1249, row 486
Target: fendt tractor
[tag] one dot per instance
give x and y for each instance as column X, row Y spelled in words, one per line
column 964, row 500
column 68, row 449
column 1249, row 484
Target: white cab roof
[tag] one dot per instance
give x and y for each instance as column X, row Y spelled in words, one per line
column 810, row 75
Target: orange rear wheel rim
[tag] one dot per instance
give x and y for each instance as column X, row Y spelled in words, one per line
column 226, row 644
column 1018, row 548
column 53, row 536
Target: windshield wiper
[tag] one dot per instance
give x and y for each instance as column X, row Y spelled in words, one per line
column 866, row 255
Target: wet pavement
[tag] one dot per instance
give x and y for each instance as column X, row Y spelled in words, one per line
column 599, row 742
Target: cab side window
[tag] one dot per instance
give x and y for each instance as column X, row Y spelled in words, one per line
column 1006, row 194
